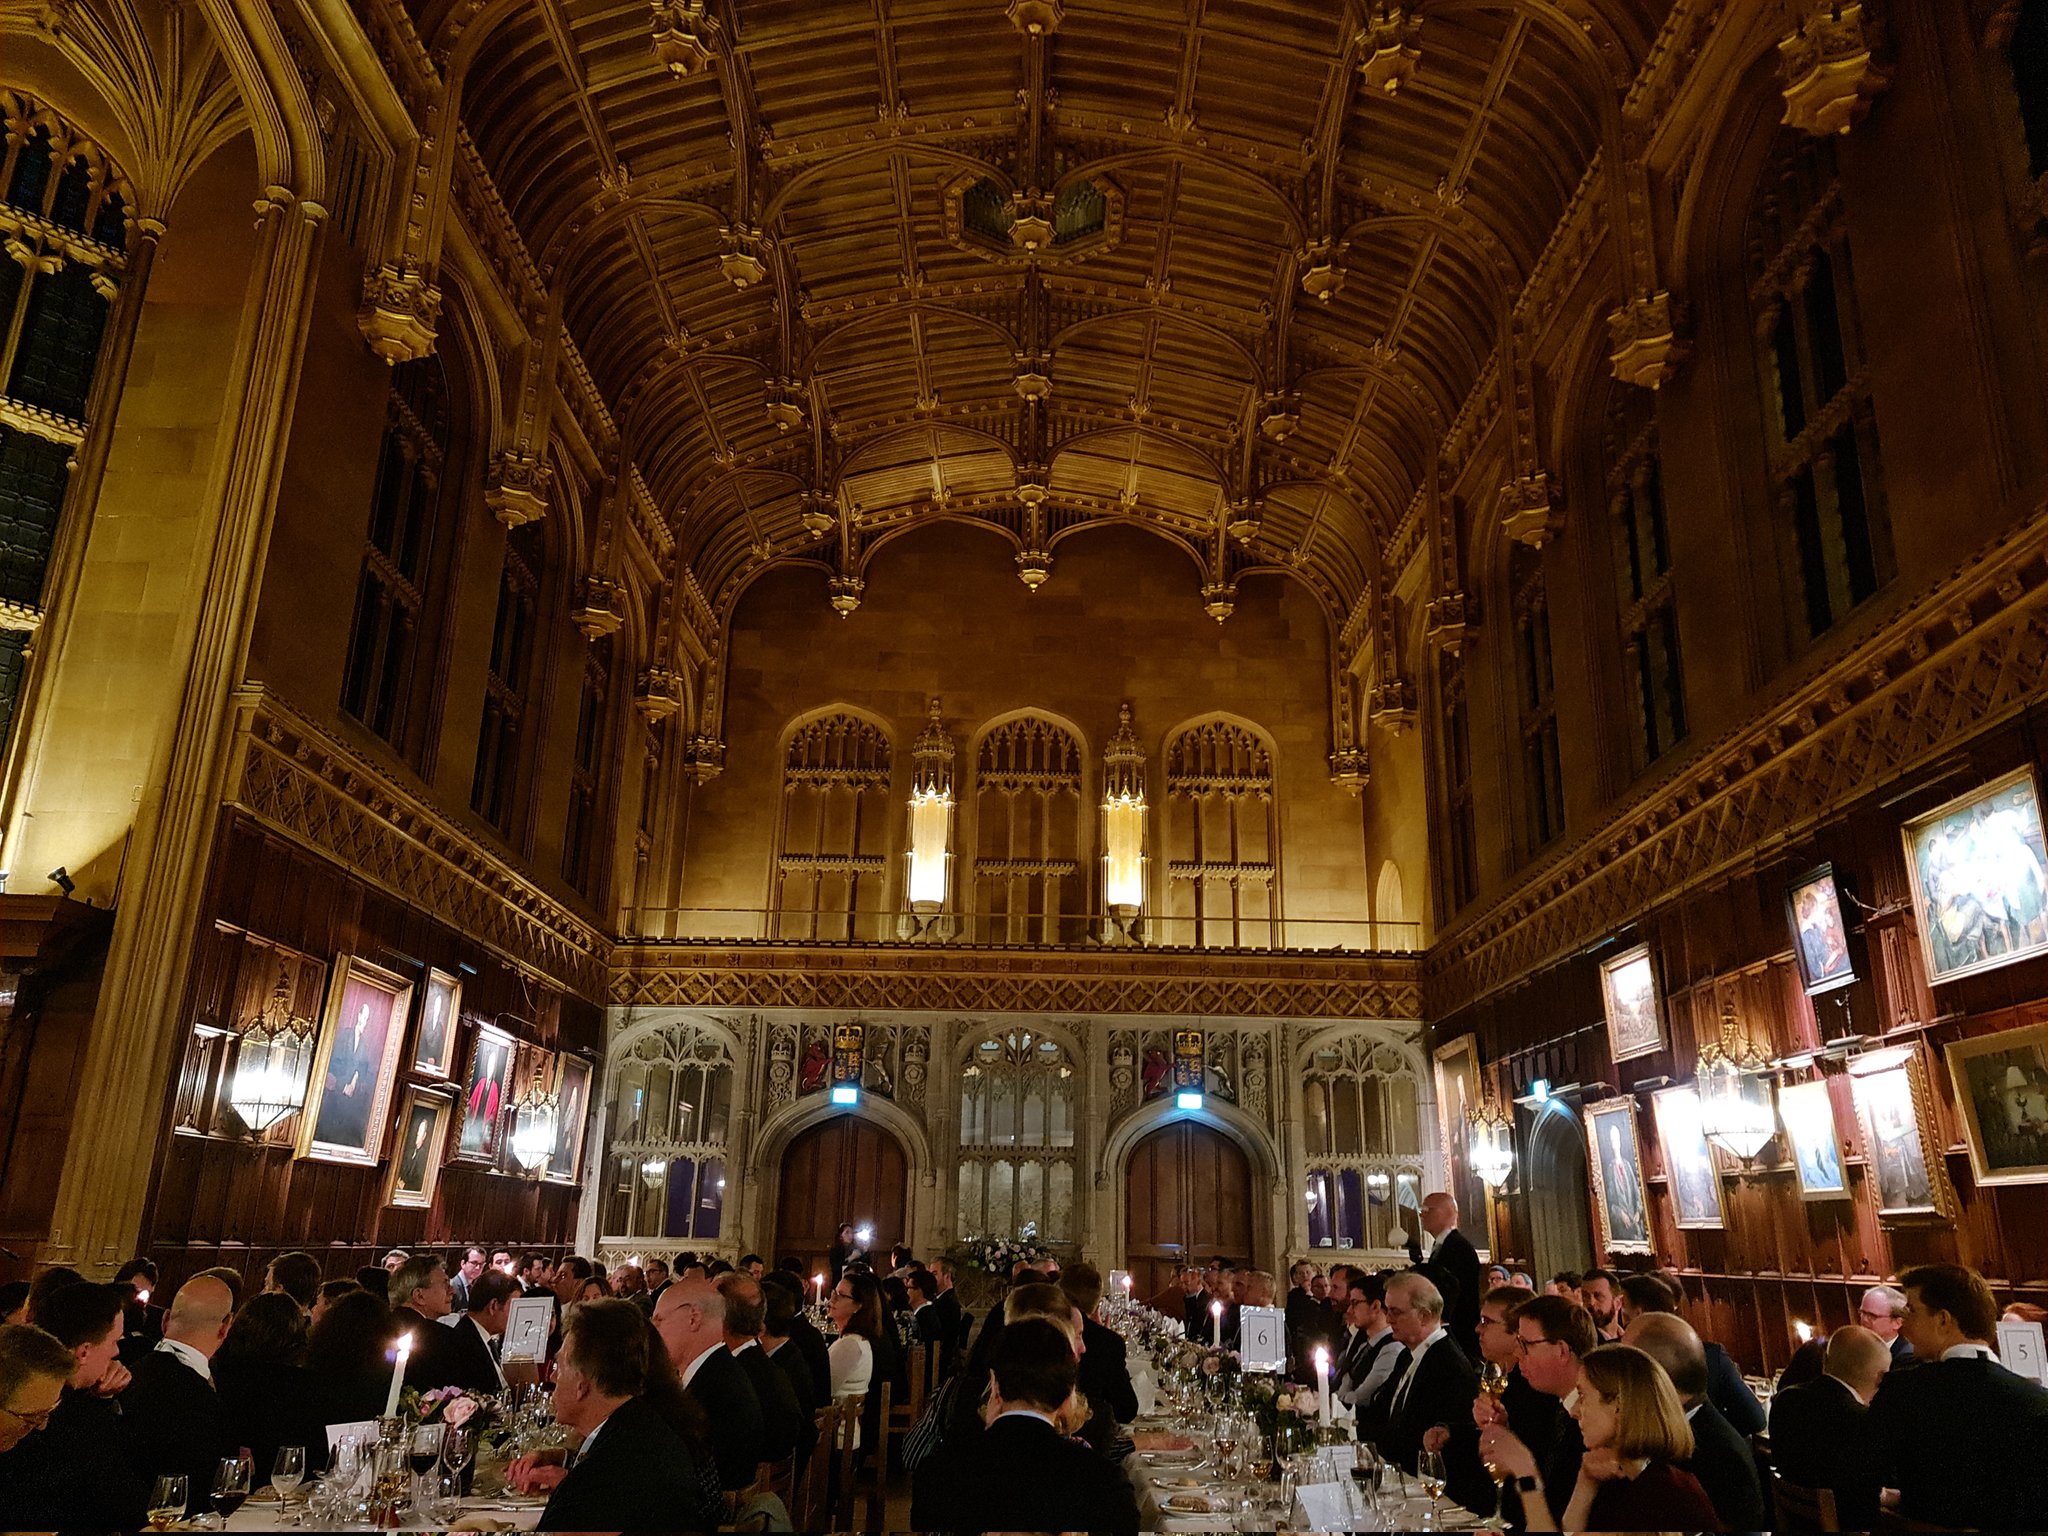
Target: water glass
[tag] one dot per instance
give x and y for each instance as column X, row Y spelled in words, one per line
column 287, row 1471
column 167, row 1500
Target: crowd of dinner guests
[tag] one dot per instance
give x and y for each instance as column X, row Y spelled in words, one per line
column 1608, row 1411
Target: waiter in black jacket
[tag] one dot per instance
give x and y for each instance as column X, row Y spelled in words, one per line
column 1443, row 1251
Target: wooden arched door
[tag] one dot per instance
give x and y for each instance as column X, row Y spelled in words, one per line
column 1187, row 1199
column 1560, row 1217
column 845, row 1169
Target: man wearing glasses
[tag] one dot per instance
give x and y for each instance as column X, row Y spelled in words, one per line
column 1882, row 1311
column 34, row 1367
column 1552, row 1335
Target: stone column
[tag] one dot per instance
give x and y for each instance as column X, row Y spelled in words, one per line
column 139, row 1027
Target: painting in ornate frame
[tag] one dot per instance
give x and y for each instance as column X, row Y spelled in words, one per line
column 1692, row 1178
column 422, row 1136
column 1621, row 1206
column 1979, row 870
column 572, row 1107
column 1820, row 938
column 433, row 1053
column 1632, row 1003
column 1895, row 1108
column 1806, row 1112
column 348, row 1095
column 2001, row 1084
column 480, row 1137
column 1459, row 1091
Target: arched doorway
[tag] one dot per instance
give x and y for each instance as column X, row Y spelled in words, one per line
column 1560, row 1220
column 1187, row 1199
column 843, row 1169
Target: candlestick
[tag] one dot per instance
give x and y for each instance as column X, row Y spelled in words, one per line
column 819, row 1281
column 1323, row 1381
column 398, row 1374
column 1216, row 1323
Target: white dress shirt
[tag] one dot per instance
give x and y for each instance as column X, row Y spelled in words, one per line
column 1969, row 1349
column 1415, row 1364
column 690, row 1370
column 190, row 1356
column 491, row 1345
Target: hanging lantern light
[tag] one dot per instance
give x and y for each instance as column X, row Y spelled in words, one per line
column 274, row 1060
column 653, row 1172
column 1123, row 829
column 1736, row 1114
column 931, row 817
column 534, row 1117
column 1491, row 1143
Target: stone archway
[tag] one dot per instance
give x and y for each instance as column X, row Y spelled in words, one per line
column 1555, row 1176
column 844, row 1168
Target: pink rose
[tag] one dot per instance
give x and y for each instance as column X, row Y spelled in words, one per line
column 1212, row 1365
column 460, row 1411
column 1307, row 1402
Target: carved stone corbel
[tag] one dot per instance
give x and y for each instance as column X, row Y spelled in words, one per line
column 1391, row 705
column 1646, row 340
column 1445, row 622
column 1350, row 769
column 1386, row 48
column 1830, row 70
column 657, row 693
column 704, row 758
column 517, row 486
column 600, row 608
column 1528, row 512
column 844, row 592
column 400, row 313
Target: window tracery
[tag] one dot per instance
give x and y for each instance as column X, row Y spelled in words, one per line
column 1461, row 838
column 1222, row 838
column 670, row 1122
column 1542, row 771
column 1642, row 576
column 1018, row 1095
column 830, row 856
column 499, row 745
column 1027, row 866
column 1362, row 1138
column 582, row 844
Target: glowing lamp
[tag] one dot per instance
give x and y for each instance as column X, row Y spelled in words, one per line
column 1187, row 1100
column 846, row 1093
column 274, row 1060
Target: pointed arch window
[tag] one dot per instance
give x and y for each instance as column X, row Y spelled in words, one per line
column 1821, row 428
column 1363, row 1142
column 1542, row 772
column 831, row 853
column 1028, row 874
column 1017, row 1158
column 494, row 789
column 1222, row 838
column 668, row 1127
column 2026, row 51
column 1461, row 825
column 1641, row 557
column 582, row 843
column 64, row 218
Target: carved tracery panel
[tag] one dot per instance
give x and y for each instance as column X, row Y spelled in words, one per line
column 1222, row 836
column 1362, row 1138
column 1019, row 1095
column 1029, row 881
column 670, row 1119
column 831, row 849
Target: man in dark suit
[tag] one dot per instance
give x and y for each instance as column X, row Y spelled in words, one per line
column 420, row 1298
column 1308, row 1322
column 929, row 1323
column 471, row 1360
column 1194, row 1303
column 1882, row 1311
column 1963, row 1439
column 691, row 1321
column 1554, row 1335
column 1022, row 1474
column 1642, row 1294
column 473, row 1264
column 171, row 1417
column 1427, row 1404
column 783, row 1420
column 1367, row 1352
column 632, row 1472
column 1819, row 1431
column 1721, row 1457
column 1443, row 1250
column 948, row 1303
column 1105, row 1375
column 657, row 1282
column 61, row 1476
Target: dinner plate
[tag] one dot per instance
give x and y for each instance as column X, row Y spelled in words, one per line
column 1189, row 1504
column 1168, row 1458
column 1185, row 1484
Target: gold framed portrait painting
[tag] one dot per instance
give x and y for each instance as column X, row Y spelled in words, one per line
column 1694, row 1181
column 416, row 1152
column 433, row 1053
column 1979, row 870
column 1459, row 1091
column 1895, row 1109
column 485, row 1093
column 2001, row 1084
column 1807, row 1113
column 361, row 1039
column 1621, row 1205
column 1632, row 1003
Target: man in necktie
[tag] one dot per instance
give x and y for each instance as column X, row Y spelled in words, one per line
column 1370, row 1351
column 1432, row 1392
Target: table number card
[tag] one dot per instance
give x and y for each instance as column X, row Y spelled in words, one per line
column 1324, row 1507
column 2021, row 1350
column 1262, row 1338
column 526, row 1330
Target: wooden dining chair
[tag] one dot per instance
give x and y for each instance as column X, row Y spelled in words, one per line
column 845, row 1462
column 813, row 1503
column 877, row 1479
column 1804, row 1509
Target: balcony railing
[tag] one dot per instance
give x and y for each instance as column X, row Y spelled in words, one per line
column 983, row 930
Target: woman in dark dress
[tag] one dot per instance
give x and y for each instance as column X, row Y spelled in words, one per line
column 845, row 1250
column 1635, row 1430
column 347, row 1359
column 265, row 1390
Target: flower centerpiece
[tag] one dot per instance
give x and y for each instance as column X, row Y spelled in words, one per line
column 1286, row 1414
column 455, row 1407
column 996, row 1255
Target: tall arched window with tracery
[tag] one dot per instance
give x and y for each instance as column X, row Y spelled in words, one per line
column 1028, row 884
column 64, row 221
column 1017, row 1103
column 668, row 1126
column 583, row 838
column 1362, row 1137
column 831, row 854
column 1222, row 838
column 1536, row 676
column 501, row 742
column 383, row 676
column 1821, row 427
column 1641, row 557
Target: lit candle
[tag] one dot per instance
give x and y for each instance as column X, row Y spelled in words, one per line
column 1805, row 1332
column 1127, row 1287
column 142, row 1296
column 1323, row 1380
column 398, row 1374
column 1216, row 1323
column 819, row 1281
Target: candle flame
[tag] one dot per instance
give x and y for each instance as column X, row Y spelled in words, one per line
column 142, row 1296
column 1215, row 1309
column 404, row 1345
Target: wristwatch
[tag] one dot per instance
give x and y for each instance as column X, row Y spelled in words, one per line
column 1528, row 1484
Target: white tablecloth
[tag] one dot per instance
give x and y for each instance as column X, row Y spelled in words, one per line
column 1407, row 1509
column 522, row 1515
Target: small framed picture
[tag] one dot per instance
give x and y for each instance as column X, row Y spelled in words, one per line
column 1617, row 1165
column 2002, row 1089
column 349, row 1095
column 1634, row 1007
column 1979, row 871
column 527, row 1325
column 1820, row 939
column 433, row 1053
column 416, row 1155
column 1895, row 1109
column 1262, row 1338
column 1807, row 1112
column 572, row 1106
column 1689, row 1160
column 484, row 1095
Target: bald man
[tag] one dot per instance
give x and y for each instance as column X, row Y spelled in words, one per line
column 1819, row 1434
column 171, row 1417
column 690, row 1317
column 1721, row 1458
column 1447, row 1256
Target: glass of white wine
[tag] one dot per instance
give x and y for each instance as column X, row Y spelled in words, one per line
column 287, row 1472
column 1430, row 1469
column 167, row 1500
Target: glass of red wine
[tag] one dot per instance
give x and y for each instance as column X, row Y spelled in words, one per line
column 423, row 1454
column 230, row 1485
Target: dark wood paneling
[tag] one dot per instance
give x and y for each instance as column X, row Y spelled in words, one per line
column 240, row 1202
column 1780, row 1259
column 1187, row 1199
column 846, row 1169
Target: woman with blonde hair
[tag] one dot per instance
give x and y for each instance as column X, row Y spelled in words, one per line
column 1636, row 1433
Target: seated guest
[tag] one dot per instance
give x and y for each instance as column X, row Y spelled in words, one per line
column 172, row 1417
column 1631, row 1477
column 1308, row 1320
column 466, row 1273
column 230, row 1277
column 14, row 1303
column 1256, row 1288
column 375, row 1279
column 48, row 1283
column 348, row 1357
column 1819, row 1437
column 296, row 1275
column 265, row 1391
column 142, row 1319
column 64, row 1478
column 34, row 1370
column 1564, row 1283
column 330, row 1292
column 896, row 1307
column 752, row 1264
column 1530, row 1412
column 779, row 1305
column 632, row 1472
column 955, row 1413
column 657, row 1282
column 691, row 1320
column 420, row 1298
column 855, row 1355
column 1721, row 1458
column 473, row 1353
column 782, row 1421
column 1555, row 1336
column 1600, row 1295
column 803, row 1337
column 1432, row 1394
column 928, row 1325
column 1367, row 1353
column 1194, row 1303
column 1644, row 1294
column 682, row 1413
column 1806, row 1363
column 1963, row 1439
column 1105, row 1374
column 1882, row 1311
column 1021, row 1473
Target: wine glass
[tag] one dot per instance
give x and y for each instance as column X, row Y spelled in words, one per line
column 1493, row 1381
column 286, row 1473
column 167, row 1500
column 230, row 1485
column 423, row 1454
column 1430, row 1469
column 457, row 1447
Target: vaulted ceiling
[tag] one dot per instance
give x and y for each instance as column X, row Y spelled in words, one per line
column 840, row 264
